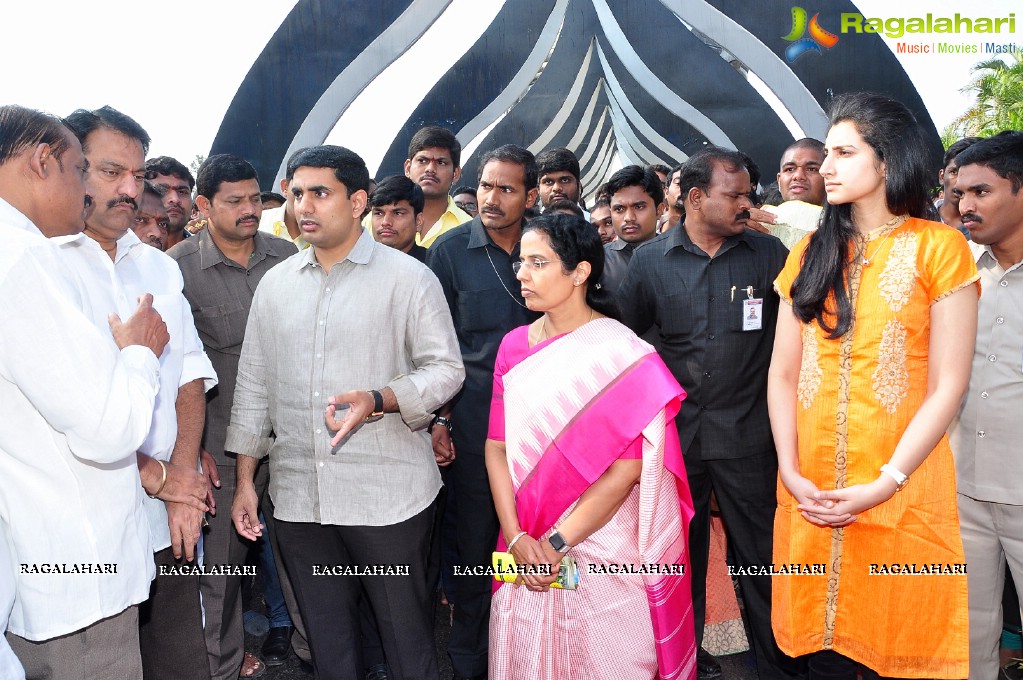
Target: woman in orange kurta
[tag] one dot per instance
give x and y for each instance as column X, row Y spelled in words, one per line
column 868, row 370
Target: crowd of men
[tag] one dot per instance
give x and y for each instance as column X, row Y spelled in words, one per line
column 316, row 378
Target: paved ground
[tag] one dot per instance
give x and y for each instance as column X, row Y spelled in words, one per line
column 737, row 667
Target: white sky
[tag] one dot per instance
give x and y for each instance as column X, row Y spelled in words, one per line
column 175, row 67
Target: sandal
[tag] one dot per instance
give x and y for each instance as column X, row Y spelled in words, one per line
column 252, row 667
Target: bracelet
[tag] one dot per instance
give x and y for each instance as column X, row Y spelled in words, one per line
column 163, row 482
column 511, row 544
column 900, row 479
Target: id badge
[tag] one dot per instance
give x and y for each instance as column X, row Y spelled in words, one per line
column 752, row 314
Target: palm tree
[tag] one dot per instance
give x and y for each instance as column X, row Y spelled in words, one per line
column 998, row 88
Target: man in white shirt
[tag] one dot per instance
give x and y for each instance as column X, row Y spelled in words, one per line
column 75, row 410
column 114, row 267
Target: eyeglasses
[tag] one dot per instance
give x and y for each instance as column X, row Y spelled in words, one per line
column 467, row 207
column 534, row 262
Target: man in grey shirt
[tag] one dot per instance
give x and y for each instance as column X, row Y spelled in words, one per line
column 986, row 433
column 353, row 337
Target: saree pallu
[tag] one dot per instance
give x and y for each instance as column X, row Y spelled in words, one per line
column 572, row 409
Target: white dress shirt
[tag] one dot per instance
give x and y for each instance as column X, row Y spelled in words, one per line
column 114, row 286
column 75, row 410
column 10, row 667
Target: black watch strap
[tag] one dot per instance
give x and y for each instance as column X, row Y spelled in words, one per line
column 378, row 404
column 558, row 542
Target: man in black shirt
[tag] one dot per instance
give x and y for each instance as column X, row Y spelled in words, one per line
column 637, row 200
column 474, row 264
column 396, row 210
column 708, row 290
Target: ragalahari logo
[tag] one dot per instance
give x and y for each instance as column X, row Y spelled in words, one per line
column 819, row 37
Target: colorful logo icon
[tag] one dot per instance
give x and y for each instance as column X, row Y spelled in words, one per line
column 819, row 37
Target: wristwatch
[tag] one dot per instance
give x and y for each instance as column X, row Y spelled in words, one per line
column 378, row 406
column 900, row 479
column 558, row 543
column 440, row 420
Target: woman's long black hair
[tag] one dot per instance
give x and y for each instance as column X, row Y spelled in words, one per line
column 575, row 240
column 893, row 133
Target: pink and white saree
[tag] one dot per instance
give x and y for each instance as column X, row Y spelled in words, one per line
column 571, row 407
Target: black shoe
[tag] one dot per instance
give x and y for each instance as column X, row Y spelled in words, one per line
column 706, row 665
column 277, row 645
column 378, row 672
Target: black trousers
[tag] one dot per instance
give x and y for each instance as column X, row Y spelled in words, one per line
column 829, row 665
column 746, row 493
column 477, row 527
column 170, row 626
column 330, row 603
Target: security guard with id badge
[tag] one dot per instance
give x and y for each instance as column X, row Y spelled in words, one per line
column 707, row 291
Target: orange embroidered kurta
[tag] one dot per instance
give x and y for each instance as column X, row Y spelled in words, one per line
column 855, row 397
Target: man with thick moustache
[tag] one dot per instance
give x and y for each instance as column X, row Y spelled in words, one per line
column 706, row 288
column 116, row 267
column 362, row 500
column 985, row 435
column 175, row 181
column 50, row 453
column 474, row 265
column 221, row 267
column 151, row 218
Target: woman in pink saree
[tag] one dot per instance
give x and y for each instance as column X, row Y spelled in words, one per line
column 584, row 460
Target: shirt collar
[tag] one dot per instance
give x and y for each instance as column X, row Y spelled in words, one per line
column 126, row 244
column 361, row 252
column 478, row 236
column 985, row 257
column 210, row 255
column 12, row 216
column 679, row 237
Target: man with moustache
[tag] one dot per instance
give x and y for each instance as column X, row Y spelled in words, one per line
column 986, row 433
column 172, row 178
column 696, row 286
column 434, row 163
column 221, row 267
column 673, row 202
column 474, row 265
column 116, row 268
column 948, row 210
column 637, row 200
column 396, row 208
column 70, row 494
column 151, row 219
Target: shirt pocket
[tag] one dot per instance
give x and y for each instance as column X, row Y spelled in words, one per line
column 675, row 313
column 737, row 311
column 481, row 311
column 222, row 327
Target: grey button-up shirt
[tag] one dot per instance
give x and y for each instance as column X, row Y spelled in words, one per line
column 220, row 293
column 987, row 432
column 378, row 318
